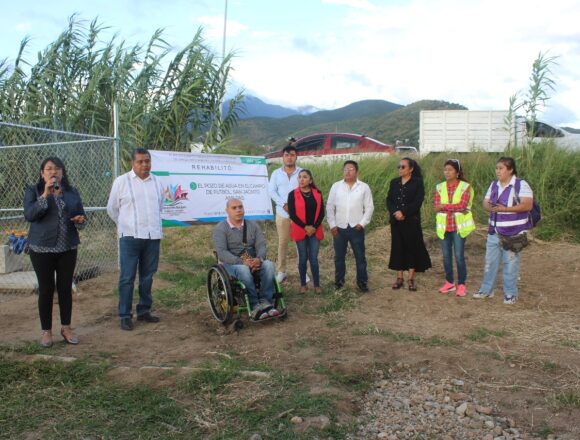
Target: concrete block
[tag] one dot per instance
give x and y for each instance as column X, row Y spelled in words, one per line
column 9, row 261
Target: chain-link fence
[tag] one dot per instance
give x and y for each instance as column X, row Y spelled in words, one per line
column 90, row 162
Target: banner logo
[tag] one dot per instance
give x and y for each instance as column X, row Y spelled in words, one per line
column 174, row 195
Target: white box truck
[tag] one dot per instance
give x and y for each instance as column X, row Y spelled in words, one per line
column 463, row 131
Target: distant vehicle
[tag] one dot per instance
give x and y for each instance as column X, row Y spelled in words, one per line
column 561, row 137
column 339, row 146
column 406, row 150
column 473, row 130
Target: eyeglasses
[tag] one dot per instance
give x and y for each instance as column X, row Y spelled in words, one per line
column 349, row 170
column 402, row 167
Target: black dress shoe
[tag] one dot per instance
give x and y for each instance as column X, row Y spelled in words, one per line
column 363, row 287
column 127, row 323
column 338, row 285
column 148, row 317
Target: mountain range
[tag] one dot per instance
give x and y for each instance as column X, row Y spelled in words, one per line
column 383, row 120
column 253, row 107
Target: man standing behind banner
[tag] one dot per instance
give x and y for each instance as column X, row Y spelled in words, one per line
column 283, row 181
column 135, row 206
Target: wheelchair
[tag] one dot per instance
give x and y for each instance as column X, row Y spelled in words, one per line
column 228, row 298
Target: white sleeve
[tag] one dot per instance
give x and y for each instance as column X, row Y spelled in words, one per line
column 368, row 206
column 113, row 203
column 488, row 193
column 525, row 189
column 330, row 207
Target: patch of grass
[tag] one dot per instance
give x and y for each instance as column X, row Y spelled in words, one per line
column 549, row 366
column 433, row 341
column 185, row 284
column 545, row 430
column 221, row 401
column 303, row 343
column 568, row 400
column 501, row 357
column 570, row 343
column 335, row 320
column 356, row 381
column 75, row 400
column 28, row 347
column 481, row 334
column 338, row 301
column 232, row 404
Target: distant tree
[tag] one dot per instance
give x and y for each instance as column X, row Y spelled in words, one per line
column 163, row 104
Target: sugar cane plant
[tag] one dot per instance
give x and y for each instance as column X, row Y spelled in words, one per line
column 164, row 103
column 538, row 93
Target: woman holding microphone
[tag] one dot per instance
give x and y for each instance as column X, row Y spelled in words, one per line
column 55, row 212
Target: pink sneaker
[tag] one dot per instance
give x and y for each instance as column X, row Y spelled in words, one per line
column 460, row 290
column 447, row 287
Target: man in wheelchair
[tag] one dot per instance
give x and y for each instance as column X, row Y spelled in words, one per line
column 241, row 248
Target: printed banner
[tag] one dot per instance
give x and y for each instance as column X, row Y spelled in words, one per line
column 198, row 186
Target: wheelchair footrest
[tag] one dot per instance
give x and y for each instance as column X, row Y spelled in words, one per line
column 283, row 314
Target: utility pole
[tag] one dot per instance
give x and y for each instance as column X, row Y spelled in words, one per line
column 225, row 26
column 220, row 103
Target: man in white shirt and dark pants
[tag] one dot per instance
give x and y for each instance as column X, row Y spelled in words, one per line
column 135, row 206
column 282, row 181
column 349, row 210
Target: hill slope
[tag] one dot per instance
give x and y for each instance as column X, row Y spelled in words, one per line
column 259, row 131
column 253, row 107
column 382, row 120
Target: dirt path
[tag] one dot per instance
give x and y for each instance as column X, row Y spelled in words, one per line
column 519, row 357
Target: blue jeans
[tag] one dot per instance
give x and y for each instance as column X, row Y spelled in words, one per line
column 308, row 251
column 142, row 254
column 494, row 254
column 454, row 243
column 357, row 242
column 267, row 274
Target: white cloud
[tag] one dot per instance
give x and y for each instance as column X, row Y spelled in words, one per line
column 473, row 53
column 357, row 4
column 22, row 27
column 214, row 27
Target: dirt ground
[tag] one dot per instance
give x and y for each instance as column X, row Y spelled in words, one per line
column 535, row 358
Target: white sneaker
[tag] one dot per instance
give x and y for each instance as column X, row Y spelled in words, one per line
column 280, row 276
column 510, row 301
column 480, row 295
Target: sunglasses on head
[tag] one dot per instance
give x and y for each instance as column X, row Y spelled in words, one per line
column 457, row 162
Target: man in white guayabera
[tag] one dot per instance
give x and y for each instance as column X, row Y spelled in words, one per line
column 135, row 206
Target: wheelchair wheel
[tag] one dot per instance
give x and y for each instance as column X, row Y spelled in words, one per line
column 219, row 294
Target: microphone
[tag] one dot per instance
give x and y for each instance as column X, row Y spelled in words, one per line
column 55, row 184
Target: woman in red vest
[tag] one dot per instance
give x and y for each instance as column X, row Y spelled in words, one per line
column 306, row 210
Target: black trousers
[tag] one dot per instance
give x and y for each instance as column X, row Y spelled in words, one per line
column 46, row 265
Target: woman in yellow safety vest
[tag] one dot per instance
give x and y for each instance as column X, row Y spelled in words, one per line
column 454, row 220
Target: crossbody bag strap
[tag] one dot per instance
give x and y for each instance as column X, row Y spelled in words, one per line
column 245, row 234
column 496, row 188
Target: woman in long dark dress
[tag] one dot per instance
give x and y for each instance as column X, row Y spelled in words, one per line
column 404, row 200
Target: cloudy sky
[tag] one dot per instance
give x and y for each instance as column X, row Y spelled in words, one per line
column 329, row 53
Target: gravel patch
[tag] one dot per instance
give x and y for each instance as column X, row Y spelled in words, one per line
column 415, row 407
